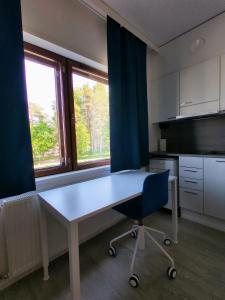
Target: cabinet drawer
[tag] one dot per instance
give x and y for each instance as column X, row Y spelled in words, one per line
column 190, row 183
column 192, row 200
column 163, row 164
column 154, row 170
column 191, row 162
column 191, row 173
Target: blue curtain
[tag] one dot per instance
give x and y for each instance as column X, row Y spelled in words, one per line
column 16, row 163
column 128, row 98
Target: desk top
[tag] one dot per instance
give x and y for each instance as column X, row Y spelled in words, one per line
column 79, row 201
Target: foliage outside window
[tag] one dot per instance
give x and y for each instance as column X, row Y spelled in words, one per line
column 92, row 119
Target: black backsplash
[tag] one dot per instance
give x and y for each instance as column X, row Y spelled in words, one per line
column 195, row 135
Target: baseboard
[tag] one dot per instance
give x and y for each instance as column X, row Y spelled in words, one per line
column 203, row 219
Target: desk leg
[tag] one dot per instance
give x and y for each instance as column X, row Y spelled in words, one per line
column 44, row 242
column 174, row 212
column 73, row 241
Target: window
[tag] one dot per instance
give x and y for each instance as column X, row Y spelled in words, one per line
column 44, row 80
column 68, row 113
column 90, row 107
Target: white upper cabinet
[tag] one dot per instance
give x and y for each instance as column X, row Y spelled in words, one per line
column 222, row 84
column 164, row 93
column 199, row 84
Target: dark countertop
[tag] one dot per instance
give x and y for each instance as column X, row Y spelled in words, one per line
column 170, row 154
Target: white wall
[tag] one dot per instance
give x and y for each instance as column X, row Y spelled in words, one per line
column 69, row 24
column 176, row 55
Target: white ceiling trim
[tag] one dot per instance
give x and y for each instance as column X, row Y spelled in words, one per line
column 103, row 10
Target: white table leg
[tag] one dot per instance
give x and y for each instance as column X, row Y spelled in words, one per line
column 174, row 212
column 44, row 243
column 73, row 241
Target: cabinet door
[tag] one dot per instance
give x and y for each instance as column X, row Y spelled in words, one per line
column 214, row 187
column 200, row 83
column 165, row 98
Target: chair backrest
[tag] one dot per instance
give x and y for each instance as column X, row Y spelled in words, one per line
column 155, row 192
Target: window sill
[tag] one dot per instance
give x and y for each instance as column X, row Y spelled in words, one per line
column 62, row 179
column 54, row 181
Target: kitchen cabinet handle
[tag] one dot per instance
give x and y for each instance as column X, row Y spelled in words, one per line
column 186, row 102
column 187, row 192
column 220, row 161
column 190, row 181
column 192, row 171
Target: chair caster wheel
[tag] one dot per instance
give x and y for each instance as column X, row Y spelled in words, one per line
column 167, row 242
column 134, row 234
column 134, row 281
column 112, row 251
column 171, row 273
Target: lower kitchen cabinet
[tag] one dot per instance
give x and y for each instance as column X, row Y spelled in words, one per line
column 214, row 187
column 191, row 199
column 191, row 183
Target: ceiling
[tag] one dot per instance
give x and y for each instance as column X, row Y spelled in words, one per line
column 163, row 20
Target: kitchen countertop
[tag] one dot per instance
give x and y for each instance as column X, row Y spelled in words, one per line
column 171, row 154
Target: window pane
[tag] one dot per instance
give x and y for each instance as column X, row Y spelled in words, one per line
column 91, row 104
column 42, row 102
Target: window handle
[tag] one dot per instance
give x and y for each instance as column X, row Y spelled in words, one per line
column 73, row 119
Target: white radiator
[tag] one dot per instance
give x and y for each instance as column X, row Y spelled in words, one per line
column 21, row 224
column 20, row 247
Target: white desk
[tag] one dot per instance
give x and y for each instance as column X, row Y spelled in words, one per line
column 73, row 203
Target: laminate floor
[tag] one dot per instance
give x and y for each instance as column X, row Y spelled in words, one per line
column 199, row 257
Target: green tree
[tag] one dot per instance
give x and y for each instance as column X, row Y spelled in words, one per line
column 82, row 133
column 44, row 133
column 43, row 140
column 92, row 120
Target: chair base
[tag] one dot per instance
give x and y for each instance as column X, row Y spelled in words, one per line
column 141, row 232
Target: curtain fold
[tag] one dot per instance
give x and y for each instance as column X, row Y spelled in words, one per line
column 16, row 162
column 129, row 142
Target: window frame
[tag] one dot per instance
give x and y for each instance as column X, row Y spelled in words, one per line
column 91, row 73
column 37, row 54
column 65, row 68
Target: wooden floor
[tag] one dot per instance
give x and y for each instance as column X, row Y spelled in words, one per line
column 199, row 256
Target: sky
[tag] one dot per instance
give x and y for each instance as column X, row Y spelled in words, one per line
column 41, row 88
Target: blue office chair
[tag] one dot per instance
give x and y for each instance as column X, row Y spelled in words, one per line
column 154, row 197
